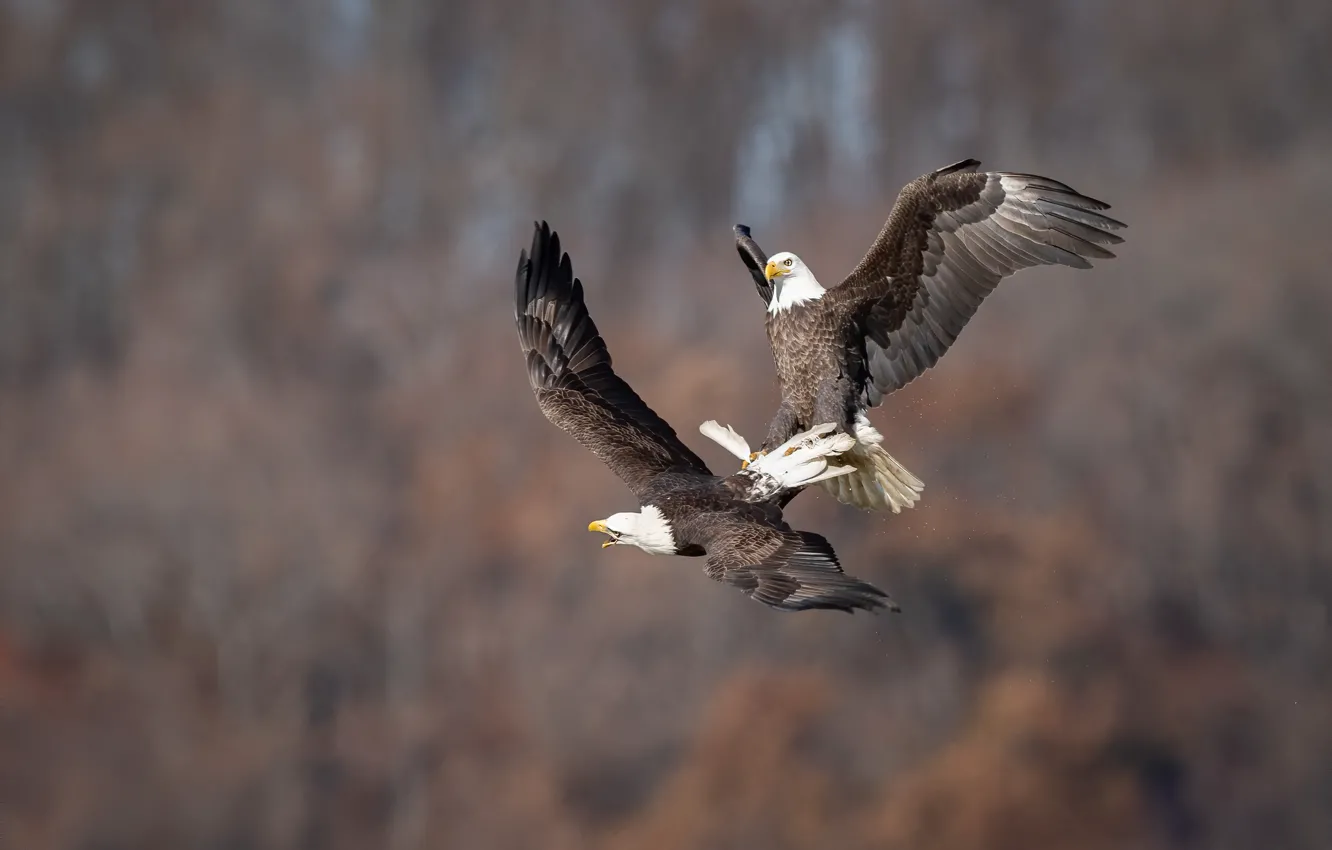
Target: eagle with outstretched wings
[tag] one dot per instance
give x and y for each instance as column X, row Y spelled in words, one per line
column 951, row 237
column 734, row 522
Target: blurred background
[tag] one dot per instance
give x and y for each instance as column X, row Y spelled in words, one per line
column 289, row 557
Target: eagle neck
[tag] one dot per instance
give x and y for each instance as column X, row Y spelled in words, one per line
column 653, row 533
column 793, row 290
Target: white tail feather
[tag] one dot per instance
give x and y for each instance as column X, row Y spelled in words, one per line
column 726, row 437
column 830, row 472
column 878, row 481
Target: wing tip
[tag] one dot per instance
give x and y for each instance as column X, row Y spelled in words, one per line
column 968, row 164
column 543, row 267
column 841, row 591
column 753, row 258
column 849, row 601
column 549, row 310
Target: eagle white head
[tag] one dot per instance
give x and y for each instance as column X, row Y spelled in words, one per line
column 792, row 282
column 648, row 529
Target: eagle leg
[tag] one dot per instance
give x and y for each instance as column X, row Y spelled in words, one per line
column 753, row 456
column 833, row 404
column 783, row 427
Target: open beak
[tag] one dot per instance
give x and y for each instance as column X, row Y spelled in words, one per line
column 601, row 527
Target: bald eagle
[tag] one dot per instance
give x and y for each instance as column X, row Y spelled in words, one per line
column 736, row 522
column 951, row 237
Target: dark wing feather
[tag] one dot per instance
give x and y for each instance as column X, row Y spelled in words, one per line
column 755, row 260
column 570, row 372
column 951, row 237
column 785, row 569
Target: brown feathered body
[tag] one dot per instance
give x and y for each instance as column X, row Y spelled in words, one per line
column 816, row 355
column 734, row 521
column 951, row 237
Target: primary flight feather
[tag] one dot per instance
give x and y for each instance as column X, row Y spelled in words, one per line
column 735, row 522
column 951, row 237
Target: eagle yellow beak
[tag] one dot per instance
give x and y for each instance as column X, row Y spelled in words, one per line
column 601, row 527
column 774, row 270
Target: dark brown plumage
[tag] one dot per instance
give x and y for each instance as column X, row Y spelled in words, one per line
column 951, row 237
column 754, row 259
column 735, row 521
column 570, row 371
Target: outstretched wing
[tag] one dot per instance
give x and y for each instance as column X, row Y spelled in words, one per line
column 754, row 259
column 951, row 237
column 570, row 371
column 786, row 569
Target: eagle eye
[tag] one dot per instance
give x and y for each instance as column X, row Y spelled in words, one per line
column 787, row 261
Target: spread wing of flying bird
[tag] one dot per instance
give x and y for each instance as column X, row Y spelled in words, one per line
column 734, row 522
column 576, row 388
column 952, row 235
column 754, row 259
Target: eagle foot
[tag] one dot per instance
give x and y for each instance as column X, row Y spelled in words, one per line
column 753, row 456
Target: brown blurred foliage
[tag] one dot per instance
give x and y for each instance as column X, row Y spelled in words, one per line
column 288, row 557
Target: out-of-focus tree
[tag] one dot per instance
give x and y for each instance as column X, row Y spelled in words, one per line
column 288, row 556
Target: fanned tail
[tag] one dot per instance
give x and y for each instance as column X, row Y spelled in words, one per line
column 879, row 482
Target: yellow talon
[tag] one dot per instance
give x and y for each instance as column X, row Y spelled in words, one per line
column 753, row 456
column 790, row 451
